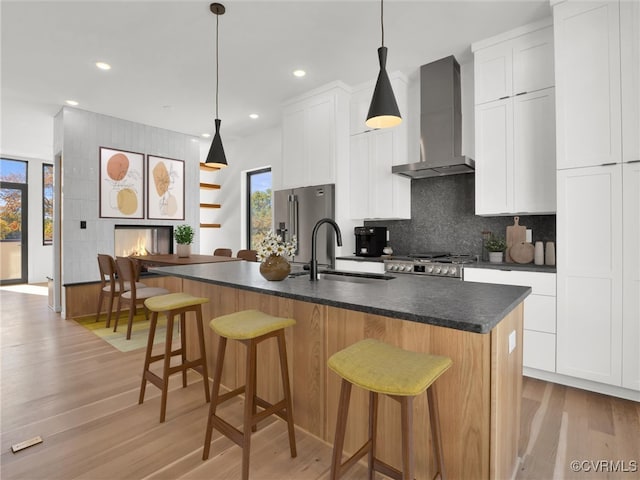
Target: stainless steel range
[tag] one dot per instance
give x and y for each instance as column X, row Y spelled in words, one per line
column 439, row 264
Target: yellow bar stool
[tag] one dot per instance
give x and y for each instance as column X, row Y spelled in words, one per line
column 171, row 305
column 249, row 327
column 381, row 368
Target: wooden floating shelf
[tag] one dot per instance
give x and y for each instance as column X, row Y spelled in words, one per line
column 209, row 225
column 212, row 186
column 204, row 166
column 210, row 205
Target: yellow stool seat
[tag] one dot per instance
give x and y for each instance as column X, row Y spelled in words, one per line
column 248, row 324
column 383, row 368
column 173, row 301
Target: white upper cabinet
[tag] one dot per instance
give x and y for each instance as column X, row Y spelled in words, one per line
column 630, row 68
column 588, row 107
column 515, row 122
column 514, row 63
column 311, row 130
column 374, row 192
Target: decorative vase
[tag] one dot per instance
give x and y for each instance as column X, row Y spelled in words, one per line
column 183, row 249
column 275, row 268
column 495, row 257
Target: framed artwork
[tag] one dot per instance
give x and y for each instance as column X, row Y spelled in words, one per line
column 121, row 184
column 165, row 188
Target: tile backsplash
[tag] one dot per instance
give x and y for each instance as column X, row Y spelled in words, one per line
column 443, row 219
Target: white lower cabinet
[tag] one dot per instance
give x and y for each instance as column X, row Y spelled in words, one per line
column 539, row 349
column 361, row 266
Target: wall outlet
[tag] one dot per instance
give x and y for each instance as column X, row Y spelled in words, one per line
column 83, row 224
column 512, row 341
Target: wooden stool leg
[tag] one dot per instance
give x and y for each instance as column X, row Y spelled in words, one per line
column 183, row 347
column 284, row 369
column 203, row 355
column 217, row 376
column 341, row 427
column 166, row 366
column 436, row 433
column 249, row 406
column 406, row 413
column 147, row 355
column 373, row 428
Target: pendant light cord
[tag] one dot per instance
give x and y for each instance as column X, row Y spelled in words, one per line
column 382, row 19
column 217, row 67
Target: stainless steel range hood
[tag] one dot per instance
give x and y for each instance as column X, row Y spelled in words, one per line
column 440, row 123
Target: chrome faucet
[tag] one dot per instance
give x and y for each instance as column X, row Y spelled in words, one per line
column 313, row 266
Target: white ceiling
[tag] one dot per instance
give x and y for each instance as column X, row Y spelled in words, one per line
column 163, row 55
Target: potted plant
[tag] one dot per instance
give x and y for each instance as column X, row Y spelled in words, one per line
column 495, row 246
column 184, row 238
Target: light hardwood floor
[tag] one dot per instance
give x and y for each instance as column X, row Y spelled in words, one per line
column 80, row 394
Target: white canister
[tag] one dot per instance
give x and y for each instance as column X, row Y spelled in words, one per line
column 538, row 254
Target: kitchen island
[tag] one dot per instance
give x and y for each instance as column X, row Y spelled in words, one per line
column 479, row 326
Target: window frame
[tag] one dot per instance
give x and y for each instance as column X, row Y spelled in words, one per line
column 45, row 166
column 250, row 174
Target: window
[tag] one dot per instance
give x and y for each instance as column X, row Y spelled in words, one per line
column 258, row 206
column 13, row 175
column 47, row 204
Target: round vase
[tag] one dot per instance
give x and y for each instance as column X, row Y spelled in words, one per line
column 495, row 257
column 275, row 268
column 183, row 250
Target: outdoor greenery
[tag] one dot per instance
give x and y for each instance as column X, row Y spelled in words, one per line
column 47, row 204
column 11, row 209
column 260, row 216
column 184, row 234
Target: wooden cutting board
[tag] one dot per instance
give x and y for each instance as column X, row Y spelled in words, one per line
column 522, row 252
column 516, row 233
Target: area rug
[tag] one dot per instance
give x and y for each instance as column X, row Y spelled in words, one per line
column 139, row 330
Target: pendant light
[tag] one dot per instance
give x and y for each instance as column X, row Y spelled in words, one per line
column 216, row 156
column 383, row 111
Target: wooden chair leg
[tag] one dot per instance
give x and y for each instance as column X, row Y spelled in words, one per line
column 341, row 427
column 249, row 406
column 115, row 324
column 183, row 347
column 203, row 355
column 132, row 312
column 108, row 324
column 215, row 391
column 406, row 414
column 284, row 371
column 373, row 429
column 100, row 299
column 436, row 433
column 147, row 355
column 166, row 366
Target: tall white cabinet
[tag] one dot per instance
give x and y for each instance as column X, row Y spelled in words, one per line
column 515, row 122
column 597, row 103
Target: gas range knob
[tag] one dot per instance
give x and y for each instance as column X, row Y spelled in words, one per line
column 444, row 270
column 436, row 269
column 430, row 269
column 406, row 268
column 393, row 267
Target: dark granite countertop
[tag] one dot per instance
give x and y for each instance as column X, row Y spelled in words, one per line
column 447, row 302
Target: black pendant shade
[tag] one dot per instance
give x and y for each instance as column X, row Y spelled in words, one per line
column 216, row 156
column 383, row 112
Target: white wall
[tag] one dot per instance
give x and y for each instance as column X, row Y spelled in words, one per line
column 250, row 153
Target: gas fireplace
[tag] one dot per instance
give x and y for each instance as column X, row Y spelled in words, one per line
column 142, row 240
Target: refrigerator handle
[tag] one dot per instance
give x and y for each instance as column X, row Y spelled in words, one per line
column 295, row 220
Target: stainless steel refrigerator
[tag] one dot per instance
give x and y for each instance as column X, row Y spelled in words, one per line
column 296, row 212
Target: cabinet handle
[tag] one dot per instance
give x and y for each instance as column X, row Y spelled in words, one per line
column 607, row 164
column 521, row 93
column 503, row 98
column 633, row 161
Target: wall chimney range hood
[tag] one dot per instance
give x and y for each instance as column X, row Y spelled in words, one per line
column 440, row 123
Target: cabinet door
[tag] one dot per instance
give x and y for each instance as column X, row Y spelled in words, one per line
column 534, row 164
column 381, row 178
column 493, row 73
column 587, row 46
column 533, row 61
column 320, row 142
column 630, row 61
column 494, row 157
column 293, row 149
column 589, row 269
column 359, row 176
column 631, row 277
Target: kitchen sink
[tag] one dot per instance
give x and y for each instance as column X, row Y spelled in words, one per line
column 342, row 276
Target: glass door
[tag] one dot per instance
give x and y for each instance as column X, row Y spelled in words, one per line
column 13, row 223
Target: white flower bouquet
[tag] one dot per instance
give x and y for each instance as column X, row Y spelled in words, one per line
column 273, row 244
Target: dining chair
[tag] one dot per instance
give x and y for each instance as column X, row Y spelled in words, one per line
column 222, row 252
column 128, row 271
column 110, row 286
column 248, row 255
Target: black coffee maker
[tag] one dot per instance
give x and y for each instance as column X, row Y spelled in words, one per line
column 370, row 241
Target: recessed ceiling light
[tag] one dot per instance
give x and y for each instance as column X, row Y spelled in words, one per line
column 103, row 66
column 254, row 116
column 73, row 103
column 206, row 135
column 299, row 73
